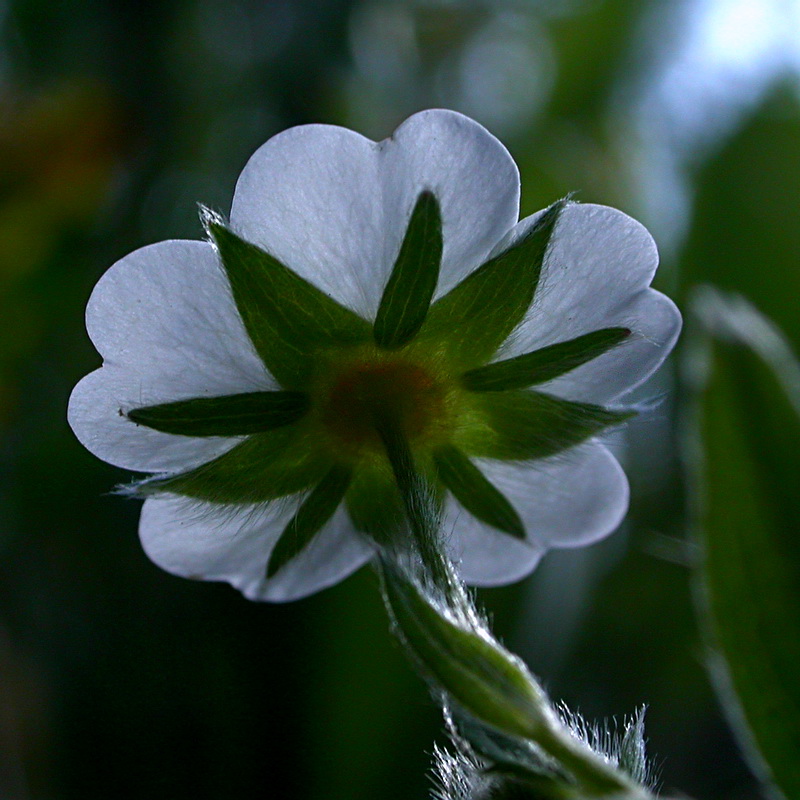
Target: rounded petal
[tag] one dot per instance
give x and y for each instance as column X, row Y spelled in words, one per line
column 164, row 320
column 655, row 324
column 472, row 175
column 334, row 206
column 596, row 275
column 569, row 500
column 311, row 196
column 205, row 542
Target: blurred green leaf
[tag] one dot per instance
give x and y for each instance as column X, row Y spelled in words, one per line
column 745, row 237
column 749, row 578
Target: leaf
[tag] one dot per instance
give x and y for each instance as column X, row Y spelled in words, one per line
column 543, row 365
column 315, row 511
column 743, row 211
column 411, row 285
column 476, row 317
column 263, row 467
column 749, row 578
column 230, row 415
column 289, row 320
column 524, row 425
column 481, row 677
column 472, row 489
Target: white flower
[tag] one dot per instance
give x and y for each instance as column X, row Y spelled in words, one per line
column 188, row 320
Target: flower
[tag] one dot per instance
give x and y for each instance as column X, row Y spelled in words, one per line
column 370, row 299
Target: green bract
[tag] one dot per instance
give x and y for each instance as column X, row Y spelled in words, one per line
column 459, row 656
column 420, row 371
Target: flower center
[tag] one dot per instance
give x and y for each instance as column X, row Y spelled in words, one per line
column 372, row 393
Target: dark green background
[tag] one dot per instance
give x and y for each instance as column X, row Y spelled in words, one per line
column 118, row 680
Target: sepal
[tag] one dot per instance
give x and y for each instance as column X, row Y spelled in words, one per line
column 289, row 320
column 476, row 317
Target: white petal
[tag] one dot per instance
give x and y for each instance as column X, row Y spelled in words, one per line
column 334, row 206
column 164, row 320
column 311, row 196
column 569, row 500
column 655, row 323
column 205, row 542
column 472, row 175
column 596, row 275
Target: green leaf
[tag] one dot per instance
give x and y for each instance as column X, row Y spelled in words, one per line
column 545, row 364
column 471, row 488
column 315, row 511
column 408, row 293
column 230, row 415
column 481, row 677
column 759, row 161
column 476, row 317
column 263, row 467
column 525, row 425
column 289, row 320
column 749, row 576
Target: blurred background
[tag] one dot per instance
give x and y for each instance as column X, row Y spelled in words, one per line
column 118, row 680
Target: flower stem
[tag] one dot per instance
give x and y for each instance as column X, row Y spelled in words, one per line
column 452, row 644
column 418, row 502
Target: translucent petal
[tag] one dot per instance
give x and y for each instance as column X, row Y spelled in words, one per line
column 655, row 324
column 569, row 500
column 167, row 328
column 201, row 541
column 472, row 175
column 597, row 275
column 334, row 206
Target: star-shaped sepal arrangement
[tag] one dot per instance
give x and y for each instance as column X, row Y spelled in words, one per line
column 374, row 322
column 370, row 412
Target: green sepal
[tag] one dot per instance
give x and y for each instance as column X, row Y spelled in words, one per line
column 523, row 425
column 474, row 491
column 375, row 505
column 632, row 755
column 289, row 320
column 476, row 317
column 229, row 415
column 543, row 365
column 478, row 674
column 263, row 467
column 411, row 285
column 314, row 512
column 509, row 755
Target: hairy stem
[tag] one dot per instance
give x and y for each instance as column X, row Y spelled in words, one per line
column 419, row 503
